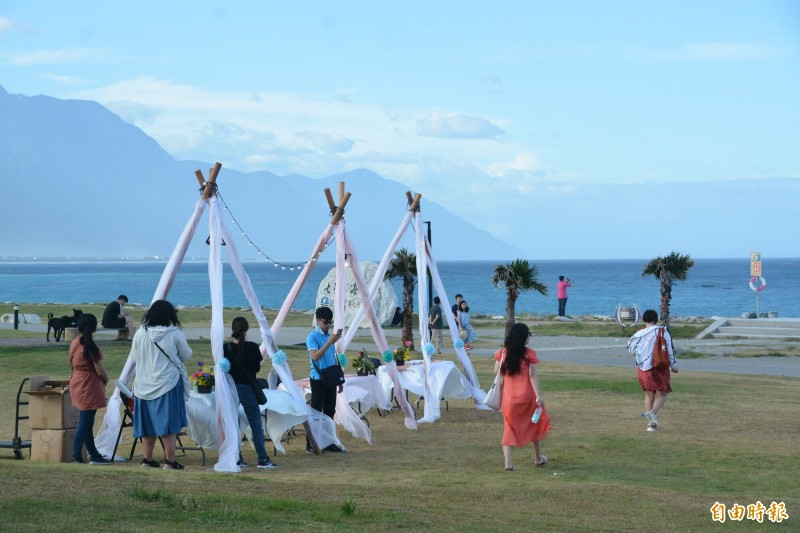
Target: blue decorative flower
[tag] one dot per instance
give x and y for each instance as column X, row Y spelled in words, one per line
column 342, row 359
column 429, row 349
column 279, row 358
column 224, row 365
column 388, row 356
column 459, row 343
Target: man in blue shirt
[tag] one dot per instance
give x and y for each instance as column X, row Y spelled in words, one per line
column 322, row 351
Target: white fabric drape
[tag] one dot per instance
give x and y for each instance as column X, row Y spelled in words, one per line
column 269, row 345
column 378, row 335
column 226, row 395
column 376, row 281
column 112, row 421
column 431, row 411
column 477, row 393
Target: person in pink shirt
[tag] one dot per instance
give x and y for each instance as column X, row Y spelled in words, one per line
column 562, row 295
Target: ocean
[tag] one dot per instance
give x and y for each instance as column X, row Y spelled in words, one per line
column 715, row 287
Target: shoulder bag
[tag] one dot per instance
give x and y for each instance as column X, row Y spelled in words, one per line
column 331, row 376
column 494, row 398
column 181, row 369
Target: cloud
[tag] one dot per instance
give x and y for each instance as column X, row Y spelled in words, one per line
column 524, row 162
column 720, row 52
column 57, row 57
column 455, row 126
column 8, row 26
column 328, row 143
column 66, row 80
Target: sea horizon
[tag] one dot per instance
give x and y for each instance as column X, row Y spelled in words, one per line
column 714, row 287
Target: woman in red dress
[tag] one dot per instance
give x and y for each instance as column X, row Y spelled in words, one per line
column 87, row 386
column 521, row 396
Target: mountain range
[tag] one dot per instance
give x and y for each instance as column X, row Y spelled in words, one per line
column 80, row 182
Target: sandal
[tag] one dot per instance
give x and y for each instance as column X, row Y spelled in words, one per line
column 510, row 469
column 543, row 462
column 150, row 464
column 172, row 465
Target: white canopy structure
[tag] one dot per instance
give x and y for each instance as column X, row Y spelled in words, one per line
column 425, row 261
column 319, row 426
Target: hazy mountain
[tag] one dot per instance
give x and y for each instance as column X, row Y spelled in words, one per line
column 80, row 182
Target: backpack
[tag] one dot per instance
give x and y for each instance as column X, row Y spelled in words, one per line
column 660, row 351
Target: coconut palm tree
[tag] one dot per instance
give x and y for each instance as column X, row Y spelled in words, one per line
column 667, row 269
column 404, row 266
column 517, row 276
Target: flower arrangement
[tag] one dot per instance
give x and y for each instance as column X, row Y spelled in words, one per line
column 204, row 376
column 403, row 354
column 363, row 364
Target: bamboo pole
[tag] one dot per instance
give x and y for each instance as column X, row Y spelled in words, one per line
column 210, row 186
column 414, row 204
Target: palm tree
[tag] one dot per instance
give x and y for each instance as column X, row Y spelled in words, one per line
column 517, row 276
column 675, row 266
column 404, row 266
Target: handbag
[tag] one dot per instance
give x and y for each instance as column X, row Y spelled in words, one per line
column 261, row 398
column 462, row 333
column 331, row 376
column 494, row 398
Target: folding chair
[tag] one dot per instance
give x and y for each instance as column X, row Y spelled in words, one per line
column 127, row 422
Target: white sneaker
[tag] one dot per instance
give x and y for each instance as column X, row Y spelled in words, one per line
column 652, row 428
column 653, row 419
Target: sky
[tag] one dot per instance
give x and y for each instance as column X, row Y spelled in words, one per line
column 469, row 103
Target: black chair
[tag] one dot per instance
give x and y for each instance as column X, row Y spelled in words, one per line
column 127, row 422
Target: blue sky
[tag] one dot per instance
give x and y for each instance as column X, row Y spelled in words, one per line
column 467, row 102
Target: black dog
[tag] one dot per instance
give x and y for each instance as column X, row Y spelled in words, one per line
column 58, row 325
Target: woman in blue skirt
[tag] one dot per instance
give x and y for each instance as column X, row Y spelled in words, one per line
column 162, row 384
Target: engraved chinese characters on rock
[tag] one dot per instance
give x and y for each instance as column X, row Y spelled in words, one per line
column 384, row 301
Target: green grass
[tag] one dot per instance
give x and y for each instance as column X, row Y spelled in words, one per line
column 725, row 438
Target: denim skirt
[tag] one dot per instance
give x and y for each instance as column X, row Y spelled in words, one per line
column 164, row 415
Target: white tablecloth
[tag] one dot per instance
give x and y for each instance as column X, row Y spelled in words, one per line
column 364, row 390
column 359, row 395
column 283, row 413
column 445, row 380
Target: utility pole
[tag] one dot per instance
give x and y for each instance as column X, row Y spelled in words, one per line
column 430, row 280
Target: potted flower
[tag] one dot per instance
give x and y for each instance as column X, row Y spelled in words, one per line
column 203, row 377
column 402, row 354
column 363, row 364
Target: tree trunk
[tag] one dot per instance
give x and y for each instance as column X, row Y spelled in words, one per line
column 511, row 305
column 666, row 296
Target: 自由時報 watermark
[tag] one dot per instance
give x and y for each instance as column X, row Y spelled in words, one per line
column 776, row 512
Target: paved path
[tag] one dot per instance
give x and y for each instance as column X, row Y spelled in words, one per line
column 602, row 351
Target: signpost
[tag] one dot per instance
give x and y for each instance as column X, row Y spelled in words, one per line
column 757, row 282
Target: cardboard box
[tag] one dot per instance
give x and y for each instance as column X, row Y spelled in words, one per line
column 50, row 404
column 53, row 445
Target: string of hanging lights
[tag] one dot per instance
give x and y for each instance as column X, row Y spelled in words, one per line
column 260, row 252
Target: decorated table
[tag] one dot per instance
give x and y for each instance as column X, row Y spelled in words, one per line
column 361, row 392
column 444, row 379
column 282, row 414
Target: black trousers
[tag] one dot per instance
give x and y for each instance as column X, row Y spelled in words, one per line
column 323, row 398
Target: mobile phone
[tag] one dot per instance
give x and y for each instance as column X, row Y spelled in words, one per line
column 338, row 331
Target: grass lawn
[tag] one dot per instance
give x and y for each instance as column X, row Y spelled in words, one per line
column 725, row 438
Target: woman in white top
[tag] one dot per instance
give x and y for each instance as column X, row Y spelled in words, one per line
column 162, row 384
column 654, row 381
